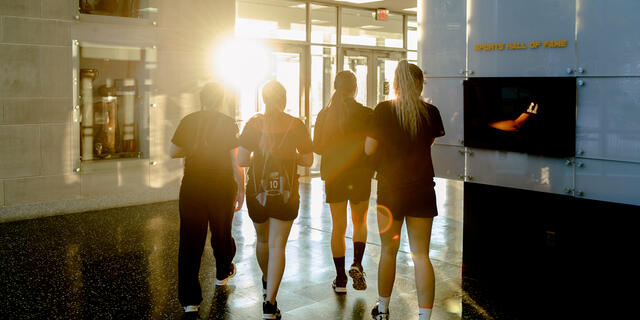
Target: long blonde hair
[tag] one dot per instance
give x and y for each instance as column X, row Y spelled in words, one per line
column 408, row 104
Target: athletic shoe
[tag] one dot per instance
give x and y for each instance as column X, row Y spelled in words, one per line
column 193, row 315
column 191, row 312
column 377, row 315
column 232, row 273
column 356, row 273
column 339, row 285
column 271, row 311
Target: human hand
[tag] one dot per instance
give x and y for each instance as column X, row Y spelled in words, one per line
column 237, row 205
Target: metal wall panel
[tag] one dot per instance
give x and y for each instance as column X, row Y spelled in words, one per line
column 448, row 96
column 448, row 161
column 608, row 181
column 608, row 124
column 521, row 21
column 519, row 170
column 443, row 39
column 608, row 41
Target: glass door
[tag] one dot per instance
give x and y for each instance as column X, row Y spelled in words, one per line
column 358, row 62
column 386, row 64
column 284, row 64
column 374, row 71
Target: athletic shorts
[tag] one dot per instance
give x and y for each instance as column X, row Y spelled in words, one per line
column 285, row 211
column 417, row 202
column 348, row 187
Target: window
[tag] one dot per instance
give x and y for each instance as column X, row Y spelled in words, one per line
column 412, row 33
column 114, row 89
column 273, row 19
column 361, row 28
column 324, row 24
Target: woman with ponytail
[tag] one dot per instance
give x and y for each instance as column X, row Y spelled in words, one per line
column 272, row 145
column 401, row 136
column 339, row 136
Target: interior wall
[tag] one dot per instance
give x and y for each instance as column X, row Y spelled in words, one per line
column 40, row 170
column 601, row 54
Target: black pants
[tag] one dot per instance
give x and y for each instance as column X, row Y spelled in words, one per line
column 203, row 204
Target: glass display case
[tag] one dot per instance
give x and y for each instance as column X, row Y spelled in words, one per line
column 142, row 9
column 113, row 100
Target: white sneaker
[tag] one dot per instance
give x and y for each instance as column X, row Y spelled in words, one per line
column 232, row 273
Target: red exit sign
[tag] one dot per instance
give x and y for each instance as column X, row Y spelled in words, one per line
column 382, row 14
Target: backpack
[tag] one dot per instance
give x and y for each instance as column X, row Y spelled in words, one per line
column 275, row 184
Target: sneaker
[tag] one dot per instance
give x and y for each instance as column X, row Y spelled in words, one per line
column 191, row 312
column 356, row 273
column 232, row 273
column 264, row 290
column 377, row 315
column 271, row 311
column 339, row 285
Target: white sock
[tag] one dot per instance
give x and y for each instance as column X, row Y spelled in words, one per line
column 383, row 304
column 191, row 308
column 424, row 314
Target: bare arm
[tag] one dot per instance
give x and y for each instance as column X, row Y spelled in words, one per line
column 244, row 157
column 370, row 146
column 176, row 152
column 238, row 174
column 305, row 160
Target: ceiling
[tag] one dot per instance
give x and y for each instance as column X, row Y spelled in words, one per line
column 393, row 5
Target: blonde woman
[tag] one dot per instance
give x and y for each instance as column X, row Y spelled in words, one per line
column 339, row 138
column 272, row 145
column 402, row 133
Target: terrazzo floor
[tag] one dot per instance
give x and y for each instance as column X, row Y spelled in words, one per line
column 122, row 264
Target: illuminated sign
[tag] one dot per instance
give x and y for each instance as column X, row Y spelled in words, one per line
column 381, row 14
column 520, row 45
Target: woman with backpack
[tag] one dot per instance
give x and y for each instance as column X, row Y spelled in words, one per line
column 272, row 145
column 212, row 189
column 339, row 136
column 401, row 136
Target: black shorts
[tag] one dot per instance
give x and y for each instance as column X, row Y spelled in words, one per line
column 284, row 211
column 354, row 188
column 417, row 202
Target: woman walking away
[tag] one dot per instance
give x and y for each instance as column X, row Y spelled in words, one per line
column 403, row 131
column 212, row 188
column 272, row 145
column 339, row 138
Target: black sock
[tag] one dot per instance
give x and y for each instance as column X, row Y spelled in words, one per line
column 358, row 252
column 339, row 262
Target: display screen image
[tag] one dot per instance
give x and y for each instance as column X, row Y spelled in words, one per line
column 529, row 115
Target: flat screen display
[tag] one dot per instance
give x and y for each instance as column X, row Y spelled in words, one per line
column 528, row 115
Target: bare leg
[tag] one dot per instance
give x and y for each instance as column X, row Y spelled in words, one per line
column 278, row 235
column 419, row 230
column 262, row 246
column 359, row 219
column 339, row 228
column 390, row 243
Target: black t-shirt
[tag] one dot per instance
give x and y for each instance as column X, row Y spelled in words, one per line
column 402, row 162
column 207, row 138
column 287, row 133
column 342, row 150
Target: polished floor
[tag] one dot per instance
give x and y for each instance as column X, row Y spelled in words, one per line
column 122, row 264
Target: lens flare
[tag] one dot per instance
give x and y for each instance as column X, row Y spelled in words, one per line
column 383, row 210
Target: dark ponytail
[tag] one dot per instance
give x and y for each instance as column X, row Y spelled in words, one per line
column 338, row 110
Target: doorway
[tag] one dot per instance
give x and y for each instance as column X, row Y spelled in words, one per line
column 374, row 72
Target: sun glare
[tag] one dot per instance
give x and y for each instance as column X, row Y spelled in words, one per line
column 240, row 62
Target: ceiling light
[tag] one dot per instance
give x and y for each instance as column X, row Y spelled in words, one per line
column 358, row 1
column 411, row 9
column 371, row 27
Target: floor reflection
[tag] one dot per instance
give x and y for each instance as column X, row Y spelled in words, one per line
column 122, row 263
